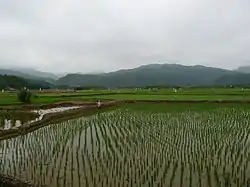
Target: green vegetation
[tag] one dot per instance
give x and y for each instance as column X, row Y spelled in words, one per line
column 182, row 107
column 24, row 96
column 137, row 145
column 140, row 144
column 243, row 79
column 9, row 82
column 185, row 94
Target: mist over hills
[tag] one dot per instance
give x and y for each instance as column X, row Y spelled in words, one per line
column 29, row 74
column 36, row 73
column 244, row 69
column 146, row 75
column 14, row 82
column 158, row 74
column 18, row 78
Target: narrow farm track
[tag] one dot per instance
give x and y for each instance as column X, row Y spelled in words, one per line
column 125, row 148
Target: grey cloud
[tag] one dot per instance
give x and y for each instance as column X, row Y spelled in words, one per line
column 85, row 36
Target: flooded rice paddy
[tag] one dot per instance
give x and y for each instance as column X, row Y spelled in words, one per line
column 10, row 122
column 128, row 148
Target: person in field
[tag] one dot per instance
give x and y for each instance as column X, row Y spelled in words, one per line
column 98, row 104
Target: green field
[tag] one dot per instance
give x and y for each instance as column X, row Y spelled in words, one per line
column 162, row 145
column 165, row 94
column 144, row 144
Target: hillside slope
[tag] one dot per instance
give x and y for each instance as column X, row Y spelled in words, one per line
column 235, row 79
column 154, row 74
column 10, row 81
column 35, row 75
column 244, row 69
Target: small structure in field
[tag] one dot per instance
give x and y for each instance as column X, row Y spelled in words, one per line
column 175, row 90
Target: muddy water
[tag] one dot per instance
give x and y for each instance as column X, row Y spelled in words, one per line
column 7, row 124
column 124, row 148
column 42, row 112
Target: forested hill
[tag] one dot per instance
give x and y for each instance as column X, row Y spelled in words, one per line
column 29, row 74
column 235, row 79
column 147, row 75
column 14, row 82
column 157, row 74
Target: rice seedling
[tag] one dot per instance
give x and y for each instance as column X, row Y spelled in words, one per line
column 131, row 148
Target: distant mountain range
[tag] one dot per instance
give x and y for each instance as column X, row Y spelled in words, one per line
column 159, row 74
column 147, row 75
column 16, row 78
column 35, row 73
column 14, row 82
column 29, row 74
column 244, row 69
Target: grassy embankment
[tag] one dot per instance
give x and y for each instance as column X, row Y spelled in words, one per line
column 166, row 94
column 181, row 107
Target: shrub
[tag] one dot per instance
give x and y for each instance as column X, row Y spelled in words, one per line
column 24, row 96
column 35, row 96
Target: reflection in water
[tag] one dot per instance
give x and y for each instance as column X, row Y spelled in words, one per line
column 6, row 124
column 55, row 110
column 9, row 124
column 127, row 148
column 18, row 123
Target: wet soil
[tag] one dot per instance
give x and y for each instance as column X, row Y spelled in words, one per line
column 6, row 181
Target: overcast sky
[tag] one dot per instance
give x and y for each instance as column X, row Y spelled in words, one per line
column 105, row 35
